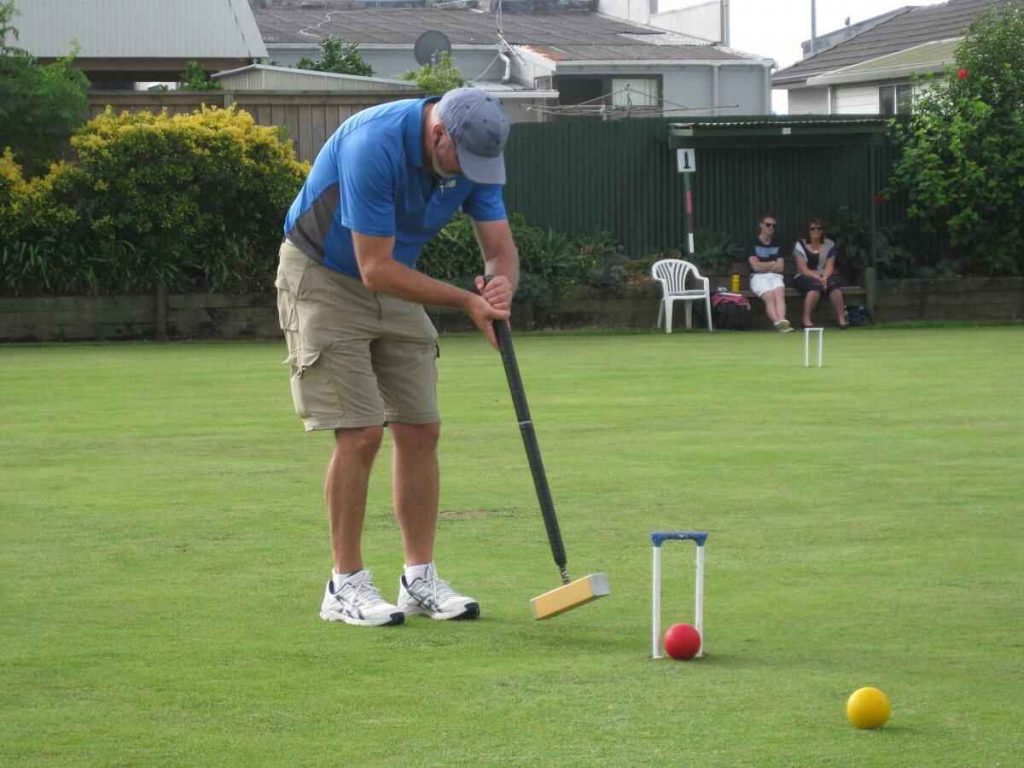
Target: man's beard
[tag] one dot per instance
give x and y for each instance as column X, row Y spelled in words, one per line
column 435, row 164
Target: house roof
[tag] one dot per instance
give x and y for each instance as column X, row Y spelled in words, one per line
column 921, row 59
column 569, row 36
column 139, row 29
column 914, row 26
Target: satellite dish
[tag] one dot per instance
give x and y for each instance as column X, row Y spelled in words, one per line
column 430, row 45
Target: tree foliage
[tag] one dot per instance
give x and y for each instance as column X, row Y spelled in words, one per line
column 438, row 77
column 194, row 78
column 338, row 57
column 962, row 151
column 40, row 106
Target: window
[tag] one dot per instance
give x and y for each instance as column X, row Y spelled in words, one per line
column 635, row 92
column 904, row 99
column 641, row 93
column 896, row 99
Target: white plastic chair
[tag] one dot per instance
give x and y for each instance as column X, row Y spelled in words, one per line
column 673, row 274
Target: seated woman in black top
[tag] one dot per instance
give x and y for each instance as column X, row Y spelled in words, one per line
column 815, row 260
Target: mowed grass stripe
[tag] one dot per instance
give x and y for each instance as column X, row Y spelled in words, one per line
column 164, row 549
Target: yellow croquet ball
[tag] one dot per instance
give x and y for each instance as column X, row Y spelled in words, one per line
column 868, row 708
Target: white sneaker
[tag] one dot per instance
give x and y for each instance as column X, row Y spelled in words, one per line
column 783, row 326
column 357, row 601
column 434, row 597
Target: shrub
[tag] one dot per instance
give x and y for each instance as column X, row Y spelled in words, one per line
column 549, row 262
column 962, row 150
column 192, row 202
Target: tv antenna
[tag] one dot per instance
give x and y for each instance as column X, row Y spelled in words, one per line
column 429, row 46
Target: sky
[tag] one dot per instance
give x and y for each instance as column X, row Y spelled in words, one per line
column 775, row 28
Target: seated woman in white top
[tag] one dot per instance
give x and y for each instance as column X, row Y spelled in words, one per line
column 815, row 260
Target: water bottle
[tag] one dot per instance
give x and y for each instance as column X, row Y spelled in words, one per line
column 735, row 282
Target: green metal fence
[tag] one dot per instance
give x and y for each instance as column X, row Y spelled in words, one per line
column 621, row 176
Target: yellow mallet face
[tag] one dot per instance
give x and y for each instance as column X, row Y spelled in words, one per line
column 868, row 708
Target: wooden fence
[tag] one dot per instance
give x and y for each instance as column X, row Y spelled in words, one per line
column 308, row 118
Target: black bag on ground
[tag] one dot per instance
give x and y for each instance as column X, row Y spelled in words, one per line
column 730, row 311
column 858, row 315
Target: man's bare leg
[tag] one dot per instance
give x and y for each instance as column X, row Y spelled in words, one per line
column 415, row 488
column 345, row 486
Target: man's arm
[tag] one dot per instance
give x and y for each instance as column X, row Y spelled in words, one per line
column 382, row 274
column 501, row 262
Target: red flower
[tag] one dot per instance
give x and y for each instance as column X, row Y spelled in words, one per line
column 962, row 73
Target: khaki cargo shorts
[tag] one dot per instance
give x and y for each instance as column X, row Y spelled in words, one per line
column 357, row 358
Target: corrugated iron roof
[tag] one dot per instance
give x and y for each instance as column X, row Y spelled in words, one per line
column 786, row 128
column 270, row 77
column 779, row 121
column 137, row 29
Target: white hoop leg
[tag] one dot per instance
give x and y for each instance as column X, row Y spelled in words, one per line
column 698, row 600
column 656, row 602
column 807, row 346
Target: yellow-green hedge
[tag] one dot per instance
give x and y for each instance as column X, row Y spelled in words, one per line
column 193, row 201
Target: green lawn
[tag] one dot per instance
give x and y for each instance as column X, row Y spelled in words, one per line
column 163, row 553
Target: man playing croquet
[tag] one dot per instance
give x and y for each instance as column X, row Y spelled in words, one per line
column 361, row 349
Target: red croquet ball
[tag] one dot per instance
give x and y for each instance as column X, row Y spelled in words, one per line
column 682, row 641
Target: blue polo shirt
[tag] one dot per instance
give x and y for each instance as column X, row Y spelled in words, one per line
column 369, row 178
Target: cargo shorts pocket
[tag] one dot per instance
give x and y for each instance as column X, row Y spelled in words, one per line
column 311, row 389
column 287, row 311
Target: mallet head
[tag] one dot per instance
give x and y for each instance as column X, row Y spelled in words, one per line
column 571, row 595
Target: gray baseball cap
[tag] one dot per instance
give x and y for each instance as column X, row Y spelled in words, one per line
column 479, row 127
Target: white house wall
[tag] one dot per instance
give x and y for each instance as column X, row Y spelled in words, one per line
column 741, row 91
column 691, row 90
column 702, row 19
column 699, row 18
column 690, row 86
column 630, row 10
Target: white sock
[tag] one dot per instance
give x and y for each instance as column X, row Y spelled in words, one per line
column 337, row 578
column 413, row 572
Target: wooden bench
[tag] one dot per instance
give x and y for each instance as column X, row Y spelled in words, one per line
column 823, row 314
column 852, row 294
